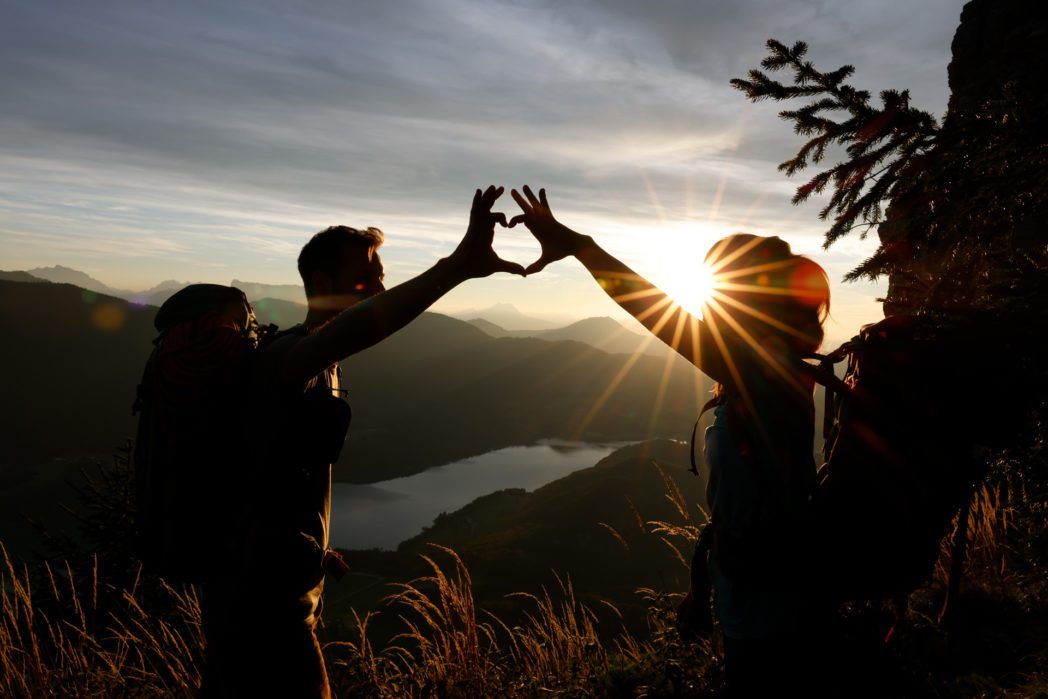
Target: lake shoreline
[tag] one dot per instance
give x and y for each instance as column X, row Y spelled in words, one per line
column 385, row 513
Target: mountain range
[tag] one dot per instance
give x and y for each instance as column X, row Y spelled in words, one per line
column 441, row 390
column 508, row 316
column 16, row 276
column 437, row 391
column 604, row 333
column 153, row 296
column 67, row 275
column 498, row 316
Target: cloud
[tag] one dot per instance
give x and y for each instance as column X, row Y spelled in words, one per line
column 228, row 132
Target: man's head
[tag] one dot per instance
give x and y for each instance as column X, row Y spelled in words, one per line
column 340, row 266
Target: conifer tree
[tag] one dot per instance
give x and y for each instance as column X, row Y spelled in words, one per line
column 961, row 212
column 881, row 143
column 955, row 206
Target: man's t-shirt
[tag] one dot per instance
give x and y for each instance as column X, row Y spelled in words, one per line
column 302, row 430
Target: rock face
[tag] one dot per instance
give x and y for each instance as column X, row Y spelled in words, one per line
column 970, row 234
column 998, row 42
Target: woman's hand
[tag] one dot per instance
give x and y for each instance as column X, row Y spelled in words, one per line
column 640, row 298
column 557, row 240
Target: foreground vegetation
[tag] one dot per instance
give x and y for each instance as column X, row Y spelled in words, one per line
column 93, row 625
column 86, row 637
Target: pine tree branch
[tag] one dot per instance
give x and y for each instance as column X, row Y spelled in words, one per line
column 880, row 142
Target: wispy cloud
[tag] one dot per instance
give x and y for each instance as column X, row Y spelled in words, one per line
column 218, row 136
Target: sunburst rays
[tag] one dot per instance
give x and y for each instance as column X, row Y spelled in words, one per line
column 735, row 306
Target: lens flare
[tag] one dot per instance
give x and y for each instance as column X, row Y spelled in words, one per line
column 108, row 317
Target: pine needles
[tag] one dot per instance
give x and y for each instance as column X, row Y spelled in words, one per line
column 881, row 143
column 958, row 208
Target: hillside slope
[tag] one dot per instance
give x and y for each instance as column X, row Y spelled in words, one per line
column 516, row 541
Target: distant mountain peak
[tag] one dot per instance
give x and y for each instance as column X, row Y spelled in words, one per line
column 598, row 320
column 67, row 275
column 63, row 270
column 258, row 290
column 506, row 316
column 501, row 307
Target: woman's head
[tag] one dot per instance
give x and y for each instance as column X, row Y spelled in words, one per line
column 773, row 294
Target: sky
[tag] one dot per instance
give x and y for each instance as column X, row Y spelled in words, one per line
column 206, row 141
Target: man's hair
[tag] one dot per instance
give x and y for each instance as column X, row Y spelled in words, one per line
column 322, row 252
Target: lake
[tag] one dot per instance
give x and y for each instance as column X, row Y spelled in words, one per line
column 381, row 515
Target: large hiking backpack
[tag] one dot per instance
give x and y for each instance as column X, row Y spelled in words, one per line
column 905, row 430
column 192, row 445
column 902, row 434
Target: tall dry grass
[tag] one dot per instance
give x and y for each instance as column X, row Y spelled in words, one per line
column 558, row 648
column 445, row 646
column 989, row 529
column 679, row 536
column 448, row 649
column 63, row 636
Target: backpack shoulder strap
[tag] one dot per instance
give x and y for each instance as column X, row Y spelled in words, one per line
column 711, row 403
column 823, row 374
column 823, row 371
column 271, row 333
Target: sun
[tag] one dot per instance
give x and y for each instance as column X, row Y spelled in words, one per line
column 705, row 283
column 671, row 257
column 688, row 280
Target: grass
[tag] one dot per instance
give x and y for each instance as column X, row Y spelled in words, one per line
column 74, row 630
column 62, row 634
column 69, row 634
column 447, row 649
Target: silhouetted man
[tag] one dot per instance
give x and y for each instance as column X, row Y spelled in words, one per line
column 259, row 621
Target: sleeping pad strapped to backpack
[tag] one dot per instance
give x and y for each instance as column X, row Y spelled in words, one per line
column 192, row 449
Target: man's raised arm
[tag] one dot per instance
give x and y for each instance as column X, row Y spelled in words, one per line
column 376, row 318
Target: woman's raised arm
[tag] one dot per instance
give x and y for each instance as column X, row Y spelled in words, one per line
column 695, row 340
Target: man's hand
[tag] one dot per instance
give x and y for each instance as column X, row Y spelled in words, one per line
column 372, row 320
column 474, row 254
column 557, row 240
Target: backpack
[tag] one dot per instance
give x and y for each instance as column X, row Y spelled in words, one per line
column 192, row 443
column 903, row 430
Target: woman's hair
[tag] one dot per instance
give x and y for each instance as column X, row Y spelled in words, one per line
column 774, row 295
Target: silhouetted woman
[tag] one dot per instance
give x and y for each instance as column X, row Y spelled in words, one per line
column 763, row 316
